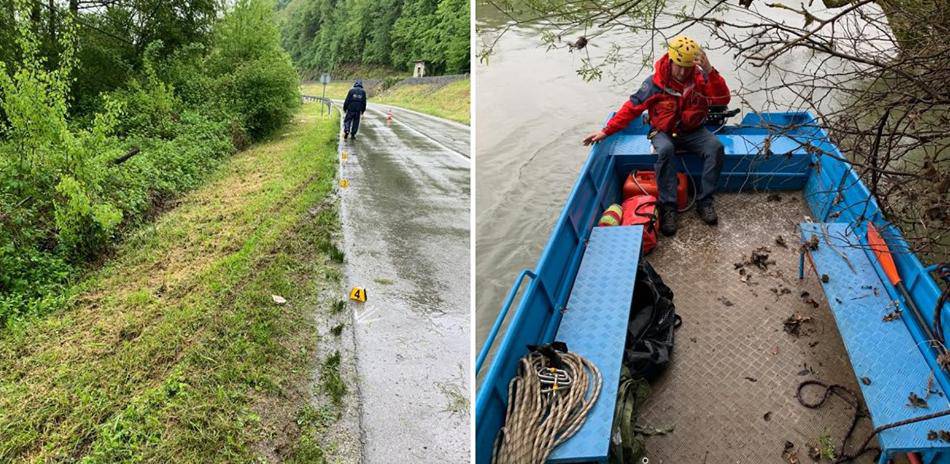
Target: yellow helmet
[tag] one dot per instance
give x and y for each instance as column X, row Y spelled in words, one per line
column 683, row 50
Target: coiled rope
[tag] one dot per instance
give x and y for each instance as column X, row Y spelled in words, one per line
column 546, row 406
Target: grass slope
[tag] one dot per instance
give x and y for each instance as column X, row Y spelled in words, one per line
column 175, row 351
column 451, row 101
column 335, row 90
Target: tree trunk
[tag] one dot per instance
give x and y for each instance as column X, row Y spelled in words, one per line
column 36, row 15
column 51, row 6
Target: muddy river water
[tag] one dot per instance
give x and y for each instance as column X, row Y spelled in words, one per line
column 533, row 109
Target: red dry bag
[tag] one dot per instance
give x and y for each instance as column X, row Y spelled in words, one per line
column 641, row 210
column 644, row 183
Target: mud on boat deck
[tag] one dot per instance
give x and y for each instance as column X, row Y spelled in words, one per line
column 734, row 364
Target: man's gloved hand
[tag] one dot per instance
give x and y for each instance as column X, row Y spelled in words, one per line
column 703, row 62
column 595, row 137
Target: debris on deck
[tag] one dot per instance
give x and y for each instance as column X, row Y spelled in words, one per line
column 806, row 297
column 789, row 453
column 793, row 324
column 760, row 257
column 893, row 315
column 780, row 241
column 916, row 401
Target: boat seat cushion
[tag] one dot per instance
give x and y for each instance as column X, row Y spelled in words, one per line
column 883, row 352
column 594, row 325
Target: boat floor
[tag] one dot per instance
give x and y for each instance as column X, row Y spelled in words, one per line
column 730, row 390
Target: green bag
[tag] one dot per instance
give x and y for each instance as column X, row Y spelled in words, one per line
column 626, row 443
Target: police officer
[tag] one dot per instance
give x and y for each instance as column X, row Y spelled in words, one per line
column 353, row 106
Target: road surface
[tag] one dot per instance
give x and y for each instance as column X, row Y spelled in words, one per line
column 405, row 222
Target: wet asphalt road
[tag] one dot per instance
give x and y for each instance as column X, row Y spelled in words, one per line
column 405, row 221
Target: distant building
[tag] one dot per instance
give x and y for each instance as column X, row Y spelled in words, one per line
column 420, row 70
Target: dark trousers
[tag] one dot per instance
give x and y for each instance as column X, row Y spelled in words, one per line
column 351, row 122
column 700, row 142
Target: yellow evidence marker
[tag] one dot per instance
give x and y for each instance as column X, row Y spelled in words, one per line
column 343, row 155
column 344, row 183
column 358, row 294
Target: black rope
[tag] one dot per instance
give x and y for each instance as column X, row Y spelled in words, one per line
column 852, row 399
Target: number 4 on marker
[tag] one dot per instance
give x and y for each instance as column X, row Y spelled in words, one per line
column 358, row 294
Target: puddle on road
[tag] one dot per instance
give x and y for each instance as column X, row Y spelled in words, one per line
column 406, row 214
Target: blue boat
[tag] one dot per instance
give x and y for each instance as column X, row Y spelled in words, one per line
column 581, row 288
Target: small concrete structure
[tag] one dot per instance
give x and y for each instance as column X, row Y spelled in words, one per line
column 420, row 69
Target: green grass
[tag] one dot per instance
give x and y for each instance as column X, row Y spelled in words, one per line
column 336, row 90
column 174, row 351
column 330, row 379
column 337, row 329
column 452, row 101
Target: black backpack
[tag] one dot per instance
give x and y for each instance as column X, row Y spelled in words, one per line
column 653, row 320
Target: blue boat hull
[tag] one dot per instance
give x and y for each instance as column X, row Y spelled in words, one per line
column 767, row 151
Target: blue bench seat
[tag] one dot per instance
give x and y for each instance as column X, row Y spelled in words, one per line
column 594, row 325
column 884, row 352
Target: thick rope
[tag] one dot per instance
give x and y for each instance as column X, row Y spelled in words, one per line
column 538, row 421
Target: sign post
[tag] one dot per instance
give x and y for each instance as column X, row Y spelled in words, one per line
column 325, row 79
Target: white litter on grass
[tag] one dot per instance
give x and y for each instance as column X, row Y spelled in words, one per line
column 279, row 299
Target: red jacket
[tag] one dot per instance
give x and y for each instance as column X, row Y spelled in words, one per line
column 672, row 106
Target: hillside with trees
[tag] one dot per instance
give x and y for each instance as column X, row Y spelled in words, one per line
column 329, row 35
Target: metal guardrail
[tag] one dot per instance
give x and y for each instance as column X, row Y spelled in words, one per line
column 325, row 101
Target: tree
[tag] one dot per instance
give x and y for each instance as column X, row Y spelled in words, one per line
column 322, row 35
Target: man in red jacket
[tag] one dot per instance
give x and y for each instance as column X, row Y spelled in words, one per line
column 676, row 98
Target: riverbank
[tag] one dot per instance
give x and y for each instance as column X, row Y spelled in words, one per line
column 445, row 99
column 214, row 331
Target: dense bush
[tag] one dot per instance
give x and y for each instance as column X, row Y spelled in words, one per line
column 70, row 183
column 262, row 83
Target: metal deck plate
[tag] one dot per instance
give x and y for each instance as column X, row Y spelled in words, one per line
column 883, row 351
column 595, row 326
column 733, row 363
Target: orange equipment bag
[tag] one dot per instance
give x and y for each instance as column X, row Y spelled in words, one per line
column 641, row 210
column 647, row 186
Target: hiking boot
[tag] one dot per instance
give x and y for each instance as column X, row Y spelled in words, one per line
column 707, row 213
column 346, row 135
column 353, row 137
column 668, row 218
